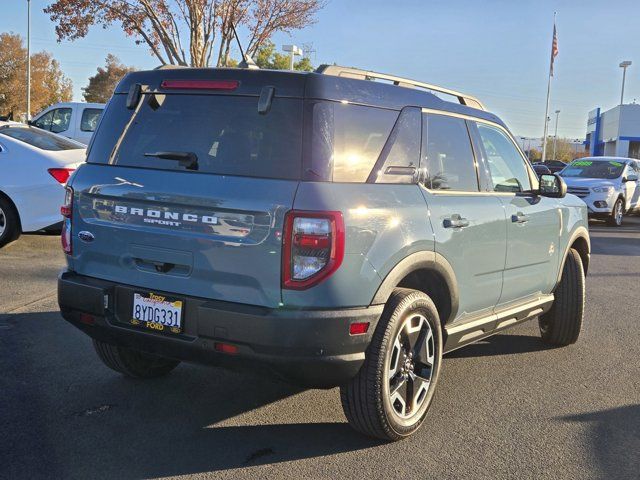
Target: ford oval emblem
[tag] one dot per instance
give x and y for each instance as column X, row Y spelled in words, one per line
column 86, row 236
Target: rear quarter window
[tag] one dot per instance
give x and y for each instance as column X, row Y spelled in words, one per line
column 347, row 140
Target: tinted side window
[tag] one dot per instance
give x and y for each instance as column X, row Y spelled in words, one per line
column 448, row 157
column 61, row 120
column 399, row 160
column 44, row 122
column 506, row 166
column 89, row 119
column 347, row 140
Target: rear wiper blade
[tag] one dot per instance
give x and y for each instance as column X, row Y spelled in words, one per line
column 189, row 160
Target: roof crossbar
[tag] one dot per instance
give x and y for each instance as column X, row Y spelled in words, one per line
column 349, row 72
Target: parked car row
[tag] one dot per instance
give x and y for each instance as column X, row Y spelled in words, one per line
column 36, row 165
column 213, row 222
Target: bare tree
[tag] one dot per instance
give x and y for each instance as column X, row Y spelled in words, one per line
column 168, row 26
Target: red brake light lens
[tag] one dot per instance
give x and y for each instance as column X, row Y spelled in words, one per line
column 200, row 84
column 61, row 174
column 313, row 247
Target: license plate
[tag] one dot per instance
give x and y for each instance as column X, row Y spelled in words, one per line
column 157, row 312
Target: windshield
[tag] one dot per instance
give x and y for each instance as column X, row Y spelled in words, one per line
column 40, row 139
column 594, row 169
column 223, row 134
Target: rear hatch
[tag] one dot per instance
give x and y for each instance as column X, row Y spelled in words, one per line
column 186, row 192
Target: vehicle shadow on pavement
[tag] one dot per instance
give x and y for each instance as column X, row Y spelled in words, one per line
column 616, row 439
column 501, row 344
column 67, row 415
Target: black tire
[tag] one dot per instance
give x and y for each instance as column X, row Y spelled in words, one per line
column 561, row 325
column 617, row 214
column 9, row 222
column 367, row 398
column 132, row 363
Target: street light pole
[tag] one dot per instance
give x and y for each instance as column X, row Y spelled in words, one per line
column 293, row 50
column 28, row 60
column 555, row 135
column 624, row 66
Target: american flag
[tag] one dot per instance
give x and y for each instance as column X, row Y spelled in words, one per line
column 554, row 47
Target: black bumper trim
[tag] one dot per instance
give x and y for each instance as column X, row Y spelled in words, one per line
column 311, row 348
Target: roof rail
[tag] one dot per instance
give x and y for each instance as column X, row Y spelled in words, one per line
column 169, row 66
column 349, row 72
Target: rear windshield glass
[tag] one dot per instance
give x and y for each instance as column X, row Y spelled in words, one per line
column 40, row 139
column 226, row 134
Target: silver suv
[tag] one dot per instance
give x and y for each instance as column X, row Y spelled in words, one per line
column 608, row 185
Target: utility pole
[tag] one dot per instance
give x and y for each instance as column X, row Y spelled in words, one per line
column 28, row 60
column 555, row 135
column 624, row 66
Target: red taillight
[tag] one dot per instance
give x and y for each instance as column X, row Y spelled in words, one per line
column 313, row 247
column 60, row 174
column 67, row 210
column 200, row 84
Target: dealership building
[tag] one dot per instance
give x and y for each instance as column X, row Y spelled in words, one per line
column 615, row 132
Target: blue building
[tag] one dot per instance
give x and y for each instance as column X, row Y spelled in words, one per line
column 615, row 132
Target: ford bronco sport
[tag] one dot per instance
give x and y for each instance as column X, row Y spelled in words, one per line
column 342, row 228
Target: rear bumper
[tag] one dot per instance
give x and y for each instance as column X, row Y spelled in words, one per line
column 311, row 348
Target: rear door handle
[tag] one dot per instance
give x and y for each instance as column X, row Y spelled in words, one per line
column 455, row 221
column 519, row 218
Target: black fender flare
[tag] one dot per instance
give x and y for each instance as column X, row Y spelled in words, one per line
column 424, row 260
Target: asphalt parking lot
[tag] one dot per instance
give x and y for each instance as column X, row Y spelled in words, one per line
column 506, row 408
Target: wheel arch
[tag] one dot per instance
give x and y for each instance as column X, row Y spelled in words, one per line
column 579, row 241
column 427, row 272
column 14, row 206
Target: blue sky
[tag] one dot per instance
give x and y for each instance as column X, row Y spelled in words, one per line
column 497, row 50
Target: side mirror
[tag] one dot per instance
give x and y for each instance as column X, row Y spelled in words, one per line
column 631, row 178
column 552, row 186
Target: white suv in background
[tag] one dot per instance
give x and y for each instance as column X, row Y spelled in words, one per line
column 608, row 185
column 74, row 120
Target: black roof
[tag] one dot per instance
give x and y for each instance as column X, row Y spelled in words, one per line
column 305, row 85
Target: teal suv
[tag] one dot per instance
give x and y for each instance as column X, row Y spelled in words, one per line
column 339, row 228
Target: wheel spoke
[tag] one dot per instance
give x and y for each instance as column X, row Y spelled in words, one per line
column 418, row 390
column 398, row 394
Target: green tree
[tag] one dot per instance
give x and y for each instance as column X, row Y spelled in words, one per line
column 49, row 85
column 566, row 150
column 102, row 84
column 267, row 57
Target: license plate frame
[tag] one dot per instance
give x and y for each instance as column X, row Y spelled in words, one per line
column 149, row 313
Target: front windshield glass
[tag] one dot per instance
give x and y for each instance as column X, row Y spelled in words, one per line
column 608, row 169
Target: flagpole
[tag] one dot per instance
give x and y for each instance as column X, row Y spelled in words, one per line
column 546, row 112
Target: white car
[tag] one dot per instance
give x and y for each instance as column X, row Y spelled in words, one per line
column 35, row 167
column 75, row 120
column 608, row 185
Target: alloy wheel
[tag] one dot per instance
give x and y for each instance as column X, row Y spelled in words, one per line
column 411, row 366
column 617, row 214
column 3, row 222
